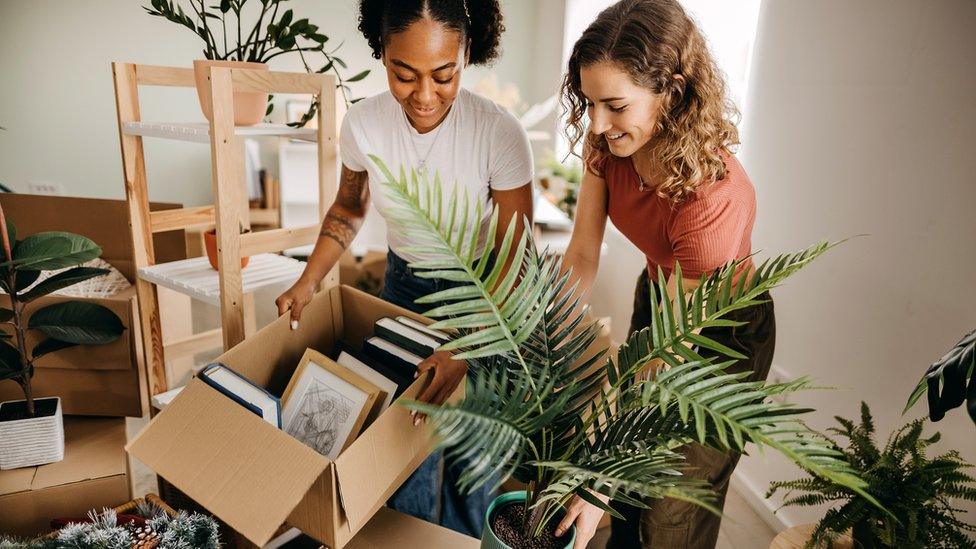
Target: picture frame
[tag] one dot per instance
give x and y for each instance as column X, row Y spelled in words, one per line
column 325, row 405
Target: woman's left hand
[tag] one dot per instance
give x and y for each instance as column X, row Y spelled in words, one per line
column 448, row 374
column 586, row 516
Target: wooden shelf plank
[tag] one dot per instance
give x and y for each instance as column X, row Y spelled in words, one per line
column 195, row 277
column 199, row 132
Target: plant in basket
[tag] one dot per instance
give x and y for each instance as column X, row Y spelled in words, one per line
column 31, row 430
column 541, row 407
column 246, row 35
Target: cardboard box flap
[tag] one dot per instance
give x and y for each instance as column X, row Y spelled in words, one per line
column 380, row 460
column 246, row 472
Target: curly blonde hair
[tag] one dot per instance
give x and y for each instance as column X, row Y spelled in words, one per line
column 654, row 41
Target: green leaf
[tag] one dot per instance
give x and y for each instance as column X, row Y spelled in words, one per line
column 358, row 77
column 50, row 345
column 26, row 277
column 61, row 280
column 6, row 314
column 77, row 322
column 54, row 250
column 224, row 6
column 10, row 362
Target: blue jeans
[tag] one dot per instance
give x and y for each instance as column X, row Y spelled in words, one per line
column 431, row 493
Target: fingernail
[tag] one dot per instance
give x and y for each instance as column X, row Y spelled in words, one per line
column 294, row 324
column 416, row 421
column 559, row 532
column 413, row 413
column 415, row 374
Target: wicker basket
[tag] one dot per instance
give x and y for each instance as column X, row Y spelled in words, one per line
column 152, row 499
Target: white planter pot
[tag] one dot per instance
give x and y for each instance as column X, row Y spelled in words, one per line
column 32, row 441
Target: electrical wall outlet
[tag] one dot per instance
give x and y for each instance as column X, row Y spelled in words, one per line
column 48, row 188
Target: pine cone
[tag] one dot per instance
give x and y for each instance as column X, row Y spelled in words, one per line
column 144, row 537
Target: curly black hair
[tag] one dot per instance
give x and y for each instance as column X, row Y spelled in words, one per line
column 478, row 20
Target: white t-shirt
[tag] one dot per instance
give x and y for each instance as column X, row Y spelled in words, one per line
column 478, row 146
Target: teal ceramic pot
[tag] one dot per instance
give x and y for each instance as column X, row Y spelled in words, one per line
column 488, row 538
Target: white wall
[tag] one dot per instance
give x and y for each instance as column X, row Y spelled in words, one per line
column 57, row 102
column 863, row 121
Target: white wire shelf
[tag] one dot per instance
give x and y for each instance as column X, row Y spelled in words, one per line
column 199, row 132
column 197, row 279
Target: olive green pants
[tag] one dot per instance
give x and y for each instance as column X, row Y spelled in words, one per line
column 669, row 523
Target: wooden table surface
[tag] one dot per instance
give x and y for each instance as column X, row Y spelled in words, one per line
column 797, row 536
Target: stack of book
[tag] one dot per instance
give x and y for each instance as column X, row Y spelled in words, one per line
column 330, row 400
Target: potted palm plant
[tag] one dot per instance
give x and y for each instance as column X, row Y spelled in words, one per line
column 250, row 46
column 919, row 491
column 32, row 430
column 539, row 408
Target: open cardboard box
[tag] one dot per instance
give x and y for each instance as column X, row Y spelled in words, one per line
column 103, row 380
column 255, row 477
column 93, row 475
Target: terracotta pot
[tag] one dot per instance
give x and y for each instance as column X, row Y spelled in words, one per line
column 210, row 243
column 249, row 107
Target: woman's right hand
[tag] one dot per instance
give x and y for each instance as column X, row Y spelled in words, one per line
column 295, row 299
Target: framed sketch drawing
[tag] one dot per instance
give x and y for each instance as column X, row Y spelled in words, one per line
column 325, row 404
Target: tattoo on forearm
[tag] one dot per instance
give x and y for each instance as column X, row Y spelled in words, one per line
column 352, row 197
column 339, row 228
column 353, row 192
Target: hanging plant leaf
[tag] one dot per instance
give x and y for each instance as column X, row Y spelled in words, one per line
column 63, row 280
column 358, row 77
column 50, row 345
column 77, row 322
column 6, row 314
column 53, row 250
column 10, row 363
column 26, row 277
column 950, row 381
column 224, row 6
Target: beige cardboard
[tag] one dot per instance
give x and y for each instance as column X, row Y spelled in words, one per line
column 392, row 529
column 92, row 475
column 229, row 460
column 255, row 477
column 107, row 380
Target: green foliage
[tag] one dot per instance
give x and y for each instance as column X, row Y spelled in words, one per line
column 540, row 407
column 65, row 324
column 918, row 491
column 184, row 531
column 946, row 383
column 270, row 35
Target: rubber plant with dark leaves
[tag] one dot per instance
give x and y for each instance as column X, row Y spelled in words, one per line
column 66, row 324
column 950, row 382
column 268, row 35
column 540, row 406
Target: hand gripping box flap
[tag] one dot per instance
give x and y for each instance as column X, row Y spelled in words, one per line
column 230, row 461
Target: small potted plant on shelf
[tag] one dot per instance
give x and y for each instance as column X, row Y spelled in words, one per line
column 32, row 430
column 250, row 46
column 540, row 407
column 917, row 490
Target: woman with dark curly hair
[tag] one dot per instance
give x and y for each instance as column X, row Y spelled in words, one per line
column 659, row 165
column 427, row 122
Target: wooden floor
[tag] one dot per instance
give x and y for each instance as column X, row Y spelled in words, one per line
column 741, row 528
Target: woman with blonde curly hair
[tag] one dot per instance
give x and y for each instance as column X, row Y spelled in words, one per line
column 659, row 165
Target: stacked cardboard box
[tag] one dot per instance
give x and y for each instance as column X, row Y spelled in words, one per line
column 106, row 380
column 92, row 475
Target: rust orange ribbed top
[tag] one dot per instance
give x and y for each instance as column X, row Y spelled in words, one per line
column 703, row 233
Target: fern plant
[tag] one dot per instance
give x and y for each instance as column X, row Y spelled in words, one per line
column 917, row 490
column 539, row 407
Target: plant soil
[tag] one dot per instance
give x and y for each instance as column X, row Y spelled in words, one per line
column 13, row 411
column 506, row 523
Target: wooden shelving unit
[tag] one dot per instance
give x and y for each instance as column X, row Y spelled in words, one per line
column 230, row 212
